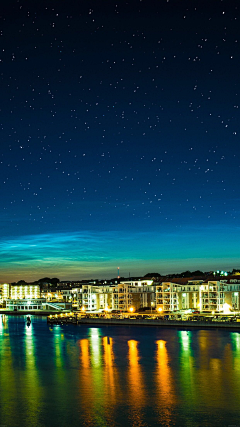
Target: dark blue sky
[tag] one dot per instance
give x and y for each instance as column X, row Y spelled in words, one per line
column 119, row 137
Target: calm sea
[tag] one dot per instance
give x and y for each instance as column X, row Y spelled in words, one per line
column 117, row 376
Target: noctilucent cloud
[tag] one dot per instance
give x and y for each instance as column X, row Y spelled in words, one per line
column 119, row 138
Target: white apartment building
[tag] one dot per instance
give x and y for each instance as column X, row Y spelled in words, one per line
column 133, row 294
column 25, row 291
column 4, row 292
column 87, row 297
column 203, row 296
column 139, row 282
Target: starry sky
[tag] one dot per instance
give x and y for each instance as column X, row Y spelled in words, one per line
column 119, row 126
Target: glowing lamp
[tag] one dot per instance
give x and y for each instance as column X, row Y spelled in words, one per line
column 226, row 308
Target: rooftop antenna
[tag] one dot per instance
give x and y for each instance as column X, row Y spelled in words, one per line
column 118, row 272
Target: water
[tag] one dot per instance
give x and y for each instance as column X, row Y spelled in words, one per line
column 117, row 376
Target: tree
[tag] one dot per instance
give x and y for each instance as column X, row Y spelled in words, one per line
column 55, row 281
column 152, row 275
column 197, row 273
column 22, row 282
column 45, row 280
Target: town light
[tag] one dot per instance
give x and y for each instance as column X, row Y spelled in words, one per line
column 131, row 309
column 83, row 308
column 160, row 309
column 226, row 308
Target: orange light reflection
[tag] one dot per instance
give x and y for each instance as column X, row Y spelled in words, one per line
column 137, row 396
column 164, row 384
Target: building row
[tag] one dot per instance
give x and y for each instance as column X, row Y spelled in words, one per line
column 175, row 295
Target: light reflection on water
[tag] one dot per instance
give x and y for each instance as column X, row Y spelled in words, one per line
column 164, row 383
column 117, row 376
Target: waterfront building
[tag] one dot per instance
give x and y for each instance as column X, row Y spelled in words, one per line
column 4, row 292
column 67, row 294
column 167, row 297
column 26, row 304
column 220, row 295
column 32, row 304
column 87, row 297
column 53, row 295
column 210, row 295
column 25, row 291
column 139, row 282
column 188, row 294
column 127, row 294
column 104, row 297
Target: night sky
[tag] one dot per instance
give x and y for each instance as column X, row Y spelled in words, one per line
column 119, row 137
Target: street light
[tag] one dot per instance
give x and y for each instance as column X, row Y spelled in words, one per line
column 152, row 303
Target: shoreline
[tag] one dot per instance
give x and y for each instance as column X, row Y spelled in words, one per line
column 52, row 321
column 32, row 312
column 160, row 323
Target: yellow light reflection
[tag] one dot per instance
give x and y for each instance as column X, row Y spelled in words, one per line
column 86, row 380
column 135, row 384
column 164, row 384
column 85, row 355
column 91, row 378
column 109, row 379
column 164, row 373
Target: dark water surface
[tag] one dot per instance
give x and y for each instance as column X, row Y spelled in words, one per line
column 117, row 376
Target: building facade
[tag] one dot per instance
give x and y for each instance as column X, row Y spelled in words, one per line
column 25, row 291
column 26, row 304
column 209, row 296
column 4, row 292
